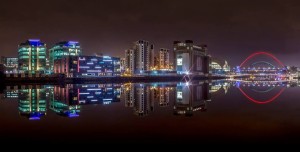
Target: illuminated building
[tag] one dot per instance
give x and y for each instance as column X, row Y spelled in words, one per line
column 122, row 65
column 144, row 56
column 98, row 93
column 80, row 94
column 11, row 94
column 190, row 98
column 142, row 104
column 140, row 58
column 32, row 57
column 218, row 86
column 219, row 66
column 10, row 64
column 156, row 62
column 64, row 102
column 63, row 49
column 190, row 58
column 67, row 101
column 129, row 61
column 32, row 103
column 128, row 95
column 138, row 96
column 65, row 109
column 164, row 59
column 83, row 66
column 164, row 96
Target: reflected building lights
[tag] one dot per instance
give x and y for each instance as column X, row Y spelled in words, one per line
column 142, row 98
column 191, row 98
column 32, row 102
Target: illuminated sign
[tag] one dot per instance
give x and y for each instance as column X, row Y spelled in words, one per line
column 179, row 61
column 179, row 95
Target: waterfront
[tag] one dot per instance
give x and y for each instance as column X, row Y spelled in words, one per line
column 194, row 112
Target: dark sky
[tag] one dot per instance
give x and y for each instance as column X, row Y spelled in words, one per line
column 232, row 29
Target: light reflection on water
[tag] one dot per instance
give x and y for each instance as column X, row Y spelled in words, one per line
column 242, row 103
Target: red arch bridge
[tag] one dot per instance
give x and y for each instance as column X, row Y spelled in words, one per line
column 267, row 85
column 247, row 67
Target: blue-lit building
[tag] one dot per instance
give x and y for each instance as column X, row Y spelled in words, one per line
column 63, row 49
column 32, row 57
column 97, row 93
column 32, row 103
column 88, row 66
column 64, row 102
column 81, row 94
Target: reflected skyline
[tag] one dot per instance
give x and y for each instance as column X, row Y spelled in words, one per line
column 35, row 101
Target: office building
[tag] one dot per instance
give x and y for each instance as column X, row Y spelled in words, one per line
column 138, row 97
column 63, row 49
column 144, row 56
column 190, row 58
column 32, row 103
column 83, row 94
column 130, row 60
column 64, row 102
column 161, row 94
column 128, row 94
column 10, row 64
column 32, row 57
column 156, row 63
column 122, row 65
column 83, row 66
column 164, row 59
column 140, row 58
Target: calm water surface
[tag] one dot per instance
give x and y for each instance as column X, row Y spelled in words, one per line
column 195, row 112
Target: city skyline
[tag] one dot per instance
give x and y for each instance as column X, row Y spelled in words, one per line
column 231, row 29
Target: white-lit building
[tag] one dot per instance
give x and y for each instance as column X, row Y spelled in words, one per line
column 190, row 58
column 219, row 66
column 140, row 58
column 144, row 56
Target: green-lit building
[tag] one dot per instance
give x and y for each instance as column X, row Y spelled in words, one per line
column 64, row 102
column 63, row 49
column 32, row 103
column 32, row 57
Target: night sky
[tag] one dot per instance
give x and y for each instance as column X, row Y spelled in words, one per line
column 232, row 29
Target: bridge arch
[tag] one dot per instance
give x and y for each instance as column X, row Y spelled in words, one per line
column 263, row 91
column 258, row 62
column 261, row 102
column 262, row 53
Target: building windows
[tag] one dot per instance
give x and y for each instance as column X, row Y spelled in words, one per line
column 179, row 61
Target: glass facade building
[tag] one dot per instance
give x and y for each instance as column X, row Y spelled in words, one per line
column 63, row 49
column 88, row 66
column 32, row 103
column 32, row 57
